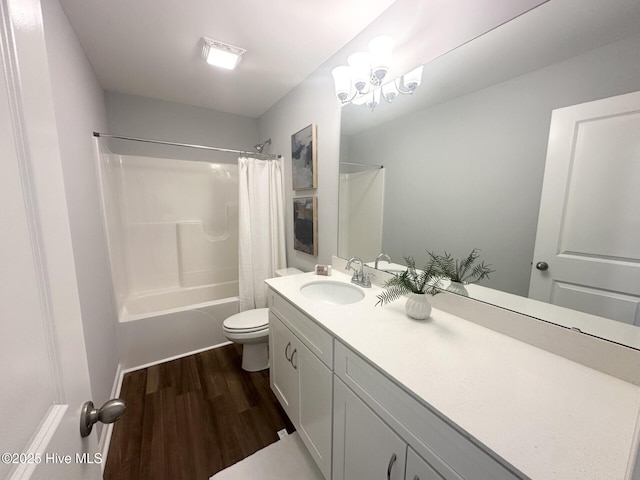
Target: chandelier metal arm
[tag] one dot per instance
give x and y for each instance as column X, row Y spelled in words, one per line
column 356, row 94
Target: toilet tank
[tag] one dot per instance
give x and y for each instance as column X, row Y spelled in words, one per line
column 284, row 272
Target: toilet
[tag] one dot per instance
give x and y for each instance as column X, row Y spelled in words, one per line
column 251, row 329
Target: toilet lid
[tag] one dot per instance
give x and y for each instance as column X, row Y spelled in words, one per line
column 249, row 320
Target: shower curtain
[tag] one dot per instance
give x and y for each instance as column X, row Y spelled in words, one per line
column 261, row 248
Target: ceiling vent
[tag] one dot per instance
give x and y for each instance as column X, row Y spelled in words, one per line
column 221, row 54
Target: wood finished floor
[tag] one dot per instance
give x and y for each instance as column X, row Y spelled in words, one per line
column 192, row 417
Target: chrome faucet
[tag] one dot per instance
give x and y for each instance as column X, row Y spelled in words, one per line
column 357, row 274
column 359, row 277
column 382, row 256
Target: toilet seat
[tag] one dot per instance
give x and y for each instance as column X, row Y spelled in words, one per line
column 249, row 321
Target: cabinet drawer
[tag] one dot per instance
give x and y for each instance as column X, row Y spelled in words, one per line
column 310, row 333
column 446, row 449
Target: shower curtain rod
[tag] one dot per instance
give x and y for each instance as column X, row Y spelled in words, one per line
column 269, row 156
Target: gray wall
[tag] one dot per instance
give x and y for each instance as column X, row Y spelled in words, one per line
column 474, row 165
column 313, row 101
column 142, row 117
column 79, row 109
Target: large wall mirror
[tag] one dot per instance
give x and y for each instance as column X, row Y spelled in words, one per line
column 460, row 163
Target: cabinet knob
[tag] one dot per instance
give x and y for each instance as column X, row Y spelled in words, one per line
column 286, row 349
column 295, row 367
column 392, row 460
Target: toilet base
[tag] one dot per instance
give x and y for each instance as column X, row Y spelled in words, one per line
column 255, row 356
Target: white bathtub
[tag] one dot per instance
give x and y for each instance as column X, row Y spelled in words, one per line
column 163, row 325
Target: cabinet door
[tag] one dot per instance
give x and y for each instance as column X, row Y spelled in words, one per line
column 316, row 393
column 364, row 447
column 419, row 469
column 284, row 378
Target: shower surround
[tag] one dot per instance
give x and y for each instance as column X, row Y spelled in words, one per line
column 172, row 230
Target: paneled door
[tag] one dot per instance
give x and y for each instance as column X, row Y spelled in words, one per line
column 44, row 373
column 587, row 252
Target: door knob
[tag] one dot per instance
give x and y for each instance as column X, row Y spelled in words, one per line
column 108, row 413
column 542, row 266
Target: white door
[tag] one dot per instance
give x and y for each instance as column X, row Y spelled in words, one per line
column 589, row 224
column 44, row 374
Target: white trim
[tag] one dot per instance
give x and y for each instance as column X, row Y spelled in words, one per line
column 37, row 447
column 175, row 357
column 24, row 159
column 107, row 431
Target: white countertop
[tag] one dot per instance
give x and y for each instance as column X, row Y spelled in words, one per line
column 612, row 330
column 549, row 417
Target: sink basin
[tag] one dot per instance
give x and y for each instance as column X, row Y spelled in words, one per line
column 336, row 293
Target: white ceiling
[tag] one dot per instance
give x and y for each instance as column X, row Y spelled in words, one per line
column 152, row 47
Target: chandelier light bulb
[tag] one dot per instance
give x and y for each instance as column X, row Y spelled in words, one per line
column 389, row 91
column 413, row 78
column 360, row 64
column 342, row 81
column 380, row 50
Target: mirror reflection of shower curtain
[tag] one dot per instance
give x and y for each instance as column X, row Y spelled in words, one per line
column 261, row 248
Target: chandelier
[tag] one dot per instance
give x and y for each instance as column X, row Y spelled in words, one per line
column 362, row 82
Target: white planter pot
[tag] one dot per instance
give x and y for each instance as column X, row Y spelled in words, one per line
column 459, row 288
column 418, row 306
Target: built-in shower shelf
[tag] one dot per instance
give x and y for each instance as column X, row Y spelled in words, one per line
column 203, row 259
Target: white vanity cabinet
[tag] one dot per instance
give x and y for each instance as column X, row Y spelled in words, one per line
column 366, row 447
column 450, row 398
column 301, row 356
column 375, row 419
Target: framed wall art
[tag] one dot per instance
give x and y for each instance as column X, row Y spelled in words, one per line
column 305, row 225
column 304, row 158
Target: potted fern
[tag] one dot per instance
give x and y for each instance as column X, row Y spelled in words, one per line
column 460, row 272
column 417, row 284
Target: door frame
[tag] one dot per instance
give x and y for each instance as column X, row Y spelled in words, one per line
column 32, row 115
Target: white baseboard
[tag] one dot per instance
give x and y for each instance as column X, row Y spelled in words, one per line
column 107, row 430
column 175, row 357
